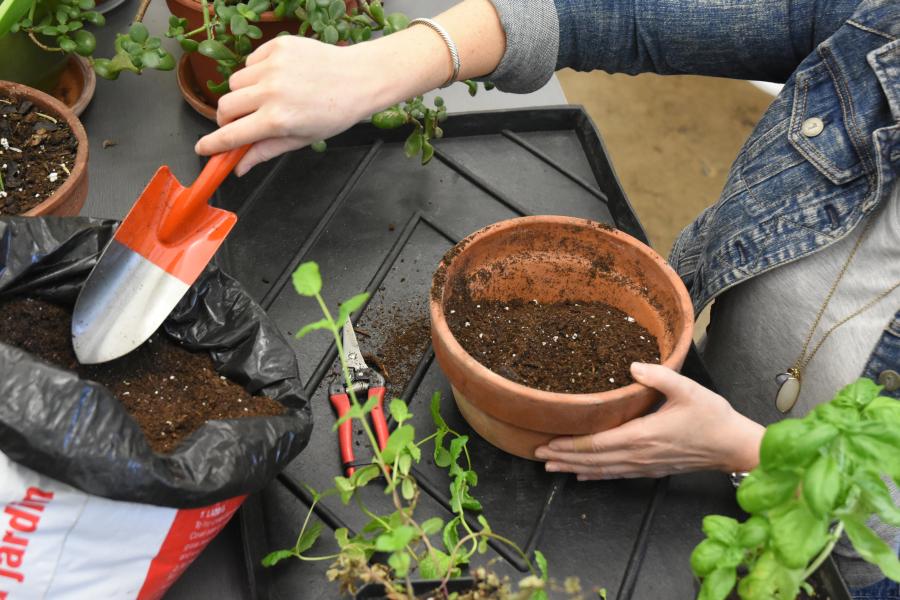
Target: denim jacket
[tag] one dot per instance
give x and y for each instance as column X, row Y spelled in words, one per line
column 788, row 195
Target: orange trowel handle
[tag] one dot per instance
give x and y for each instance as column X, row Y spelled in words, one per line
column 187, row 208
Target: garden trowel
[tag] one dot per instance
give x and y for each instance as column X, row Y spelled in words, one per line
column 158, row 251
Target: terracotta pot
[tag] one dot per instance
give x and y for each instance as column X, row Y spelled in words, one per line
column 554, row 259
column 68, row 200
column 203, row 68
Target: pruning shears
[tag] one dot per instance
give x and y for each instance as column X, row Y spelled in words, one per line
column 363, row 379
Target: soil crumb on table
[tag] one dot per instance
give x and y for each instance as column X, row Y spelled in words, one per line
column 37, row 153
column 169, row 391
column 569, row 347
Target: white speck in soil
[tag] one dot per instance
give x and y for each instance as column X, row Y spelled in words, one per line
column 611, row 380
column 629, row 319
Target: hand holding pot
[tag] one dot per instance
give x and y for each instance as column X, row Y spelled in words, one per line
column 695, row 429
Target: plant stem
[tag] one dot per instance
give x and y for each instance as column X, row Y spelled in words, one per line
column 205, row 8
column 835, row 536
column 141, row 11
column 2, row 189
column 474, row 536
column 41, row 45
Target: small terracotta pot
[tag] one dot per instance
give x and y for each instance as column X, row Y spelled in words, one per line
column 203, row 68
column 68, row 200
column 555, row 259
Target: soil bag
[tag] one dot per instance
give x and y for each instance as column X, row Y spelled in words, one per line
column 89, row 510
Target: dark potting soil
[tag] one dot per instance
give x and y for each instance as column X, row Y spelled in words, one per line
column 37, row 153
column 569, row 347
column 169, row 391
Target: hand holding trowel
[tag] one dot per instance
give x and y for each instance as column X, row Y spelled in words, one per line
column 158, row 251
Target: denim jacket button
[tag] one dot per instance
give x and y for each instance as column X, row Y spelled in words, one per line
column 890, row 379
column 812, row 127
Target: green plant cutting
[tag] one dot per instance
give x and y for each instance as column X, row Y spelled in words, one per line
column 59, row 26
column 818, row 478
column 433, row 548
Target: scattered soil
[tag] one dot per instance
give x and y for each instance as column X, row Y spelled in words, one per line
column 169, row 391
column 569, row 347
column 37, row 153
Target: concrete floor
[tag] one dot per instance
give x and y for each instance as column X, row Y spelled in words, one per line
column 671, row 140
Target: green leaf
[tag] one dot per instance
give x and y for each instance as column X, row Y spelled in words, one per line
column 308, row 538
column 363, row 476
column 718, row 584
column 404, row 462
column 342, row 537
column 377, row 12
column 705, row 557
column 350, row 306
column 872, row 451
column 217, row 88
column 216, row 50
column 355, row 412
column 794, row 443
column 319, row 146
column 722, row 529
column 151, row 59
column 859, row 393
column 307, row 280
column 797, row 534
column 473, row 87
column 85, row 42
column 330, row 35
column 436, row 412
column 753, row 532
column 413, row 144
column 397, row 21
column 399, row 411
column 274, row 558
column 541, row 563
column 238, row 25
column 320, row 324
column 457, row 445
column 434, row 565
column 398, row 439
column 761, row 490
column 451, row 534
column 883, row 409
column 395, row 540
column 432, row 525
column 407, row 488
column 66, row 43
column 345, row 488
column 138, row 32
column 390, row 118
column 399, row 562
column 822, row 485
column 189, row 45
column 876, row 494
column 11, row 11
column 768, row 579
column 337, row 9
column 427, row 152
column 872, row 548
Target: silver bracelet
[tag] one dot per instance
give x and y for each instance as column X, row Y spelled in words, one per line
column 451, row 47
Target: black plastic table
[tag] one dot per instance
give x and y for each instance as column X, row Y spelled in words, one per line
column 377, row 221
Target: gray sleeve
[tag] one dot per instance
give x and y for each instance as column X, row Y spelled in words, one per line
column 532, row 43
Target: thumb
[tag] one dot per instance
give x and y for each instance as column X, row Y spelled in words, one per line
column 661, row 378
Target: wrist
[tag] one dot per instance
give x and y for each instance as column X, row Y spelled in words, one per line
column 743, row 438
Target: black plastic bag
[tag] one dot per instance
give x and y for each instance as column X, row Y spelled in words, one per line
column 77, row 432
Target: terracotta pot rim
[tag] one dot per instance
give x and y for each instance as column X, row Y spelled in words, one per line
column 81, row 156
column 266, row 17
column 673, row 361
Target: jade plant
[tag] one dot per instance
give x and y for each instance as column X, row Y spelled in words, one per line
column 431, row 548
column 230, row 28
column 59, row 26
column 819, row 477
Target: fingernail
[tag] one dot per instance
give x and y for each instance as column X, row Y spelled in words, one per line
column 554, row 445
column 582, row 478
column 638, row 369
column 541, row 452
column 551, row 467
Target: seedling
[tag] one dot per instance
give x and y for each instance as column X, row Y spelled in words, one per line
column 818, row 478
column 433, row 548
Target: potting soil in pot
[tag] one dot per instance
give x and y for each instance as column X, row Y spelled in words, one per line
column 569, row 347
column 169, row 391
column 37, row 153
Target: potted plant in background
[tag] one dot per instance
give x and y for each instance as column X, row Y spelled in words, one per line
column 40, row 39
column 818, row 477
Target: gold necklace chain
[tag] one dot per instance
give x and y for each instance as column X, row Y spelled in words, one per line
column 803, row 359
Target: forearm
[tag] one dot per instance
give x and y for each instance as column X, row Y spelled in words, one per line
column 753, row 39
column 416, row 60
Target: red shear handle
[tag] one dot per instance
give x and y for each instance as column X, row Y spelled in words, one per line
column 341, row 403
column 378, row 420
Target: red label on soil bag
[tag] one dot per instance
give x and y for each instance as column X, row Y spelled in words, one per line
column 189, row 534
column 23, row 518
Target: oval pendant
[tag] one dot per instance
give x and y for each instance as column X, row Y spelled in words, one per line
column 788, row 392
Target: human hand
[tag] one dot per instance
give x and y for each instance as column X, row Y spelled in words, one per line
column 695, row 429
column 292, row 92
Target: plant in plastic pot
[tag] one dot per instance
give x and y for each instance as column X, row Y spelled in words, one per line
column 43, row 154
column 96, row 504
column 38, row 34
column 818, row 477
column 536, row 320
column 382, row 560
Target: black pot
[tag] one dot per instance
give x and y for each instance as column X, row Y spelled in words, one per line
column 375, row 591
